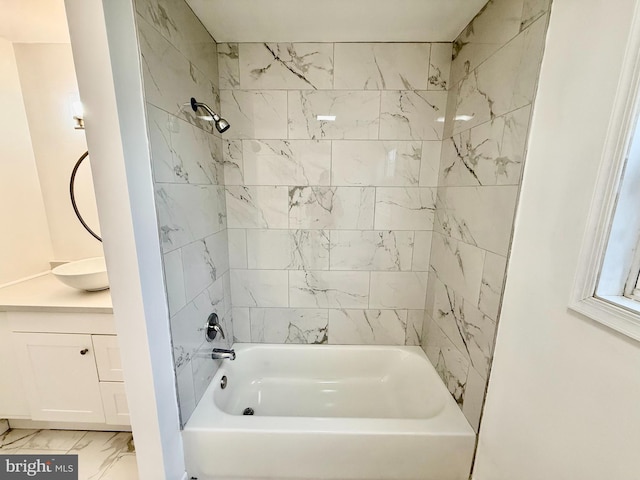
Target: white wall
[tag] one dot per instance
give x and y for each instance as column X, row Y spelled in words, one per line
column 25, row 246
column 49, row 86
column 564, row 393
column 109, row 78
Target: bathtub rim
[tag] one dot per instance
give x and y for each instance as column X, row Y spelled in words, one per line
column 207, row 416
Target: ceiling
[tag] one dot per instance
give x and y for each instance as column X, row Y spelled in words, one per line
column 33, row 21
column 335, row 20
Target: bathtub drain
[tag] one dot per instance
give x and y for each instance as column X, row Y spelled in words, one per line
column 248, row 411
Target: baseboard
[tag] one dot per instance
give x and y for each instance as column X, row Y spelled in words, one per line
column 4, row 426
column 38, row 425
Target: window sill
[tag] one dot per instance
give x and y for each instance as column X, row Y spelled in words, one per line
column 619, row 313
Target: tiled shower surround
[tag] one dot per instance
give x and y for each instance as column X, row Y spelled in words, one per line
column 345, row 205
column 494, row 77
column 330, row 221
column 178, row 62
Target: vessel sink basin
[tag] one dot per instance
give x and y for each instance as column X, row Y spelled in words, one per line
column 89, row 274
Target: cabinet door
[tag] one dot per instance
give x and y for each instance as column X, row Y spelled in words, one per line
column 60, row 377
column 114, row 399
column 107, row 357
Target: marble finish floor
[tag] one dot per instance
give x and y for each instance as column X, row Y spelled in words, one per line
column 101, row 455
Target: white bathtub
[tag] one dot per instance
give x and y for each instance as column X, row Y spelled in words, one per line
column 328, row 412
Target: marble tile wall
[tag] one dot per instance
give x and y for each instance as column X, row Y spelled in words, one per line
column 179, row 60
column 330, row 221
column 494, row 74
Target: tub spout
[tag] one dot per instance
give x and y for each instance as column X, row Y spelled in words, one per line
column 222, row 353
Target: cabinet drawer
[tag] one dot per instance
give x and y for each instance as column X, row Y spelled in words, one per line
column 114, row 400
column 107, row 358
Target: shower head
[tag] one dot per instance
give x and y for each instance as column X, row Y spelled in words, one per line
column 221, row 124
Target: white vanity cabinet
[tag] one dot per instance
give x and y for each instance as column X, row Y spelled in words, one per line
column 70, row 367
column 60, row 377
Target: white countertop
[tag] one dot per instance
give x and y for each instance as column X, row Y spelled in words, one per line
column 47, row 294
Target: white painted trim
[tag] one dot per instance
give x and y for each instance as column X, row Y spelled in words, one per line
column 601, row 213
column 41, row 425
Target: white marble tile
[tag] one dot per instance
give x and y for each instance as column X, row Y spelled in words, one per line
column 492, row 284
column 468, row 328
column 288, row 325
column 12, row 440
column 449, row 362
column 124, row 467
column 241, row 325
column 259, row 288
column 168, row 74
column 226, row 290
column 97, row 451
column 489, row 154
column 180, row 26
column 430, row 163
column 375, row 163
column 204, row 261
column 187, row 213
column 40, row 451
column 533, row 10
column 381, row 66
column 318, row 289
column 228, row 65
column 255, row 113
column 174, row 281
column 237, row 248
column 371, row 250
column 288, row 249
column 496, row 24
column 331, row 208
column 458, row 265
column 221, row 205
column 284, row 66
column 257, row 207
column 421, row 251
column 429, row 302
column 474, row 398
column 408, row 115
column 186, row 394
column 367, row 327
column 287, row 162
column 53, row 440
column 404, row 208
column 481, row 216
column 504, row 82
column 356, row 114
column 398, row 290
column 233, row 162
column 197, row 155
column 160, row 143
column 186, row 326
column 440, row 66
column 415, row 320
column 203, row 368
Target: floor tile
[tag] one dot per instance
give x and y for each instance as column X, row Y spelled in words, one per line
column 16, row 438
column 38, row 451
column 124, row 468
column 54, row 440
column 97, row 451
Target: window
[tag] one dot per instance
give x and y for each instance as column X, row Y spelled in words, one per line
column 607, row 286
